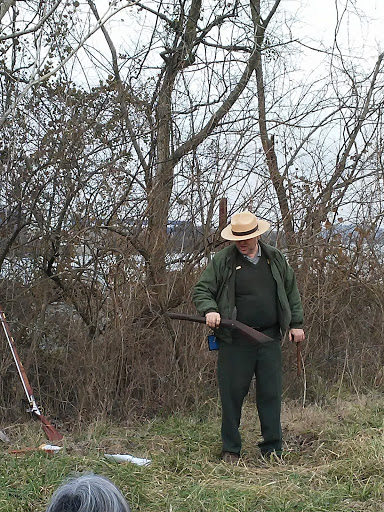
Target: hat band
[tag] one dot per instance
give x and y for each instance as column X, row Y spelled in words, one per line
column 243, row 233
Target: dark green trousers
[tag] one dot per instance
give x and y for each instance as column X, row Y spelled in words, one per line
column 237, row 364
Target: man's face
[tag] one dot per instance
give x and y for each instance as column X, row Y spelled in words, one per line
column 248, row 247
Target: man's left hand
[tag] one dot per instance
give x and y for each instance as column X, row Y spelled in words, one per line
column 296, row 335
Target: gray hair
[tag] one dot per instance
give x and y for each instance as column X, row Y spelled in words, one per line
column 88, row 493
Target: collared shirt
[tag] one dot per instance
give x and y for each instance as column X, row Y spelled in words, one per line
column 256, row 258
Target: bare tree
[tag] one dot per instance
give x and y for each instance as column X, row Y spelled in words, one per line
column 117, row 149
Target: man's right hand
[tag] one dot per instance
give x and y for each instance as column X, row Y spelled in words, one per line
column 212, row 319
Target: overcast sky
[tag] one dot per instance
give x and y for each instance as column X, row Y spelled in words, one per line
column 360, row 24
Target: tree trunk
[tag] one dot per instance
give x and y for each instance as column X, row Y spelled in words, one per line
column 267, row 141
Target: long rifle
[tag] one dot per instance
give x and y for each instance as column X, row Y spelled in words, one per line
column 50, row 431
column 252, row 334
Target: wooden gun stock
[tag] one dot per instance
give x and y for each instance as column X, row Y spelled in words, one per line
column 252, row 334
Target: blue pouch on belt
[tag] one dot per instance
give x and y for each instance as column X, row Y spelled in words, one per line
column 213, row 343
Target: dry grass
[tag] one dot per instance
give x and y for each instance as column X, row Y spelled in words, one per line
column 334, row 462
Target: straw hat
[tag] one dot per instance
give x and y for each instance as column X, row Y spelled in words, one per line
column 244, row 226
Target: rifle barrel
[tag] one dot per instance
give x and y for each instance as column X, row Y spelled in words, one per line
column 252, row 334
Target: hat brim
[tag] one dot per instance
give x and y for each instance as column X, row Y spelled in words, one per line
column 227, row 234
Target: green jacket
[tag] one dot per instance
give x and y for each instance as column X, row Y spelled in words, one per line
column 215, row 290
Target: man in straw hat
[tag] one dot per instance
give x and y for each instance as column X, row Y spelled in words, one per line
column 253, row 282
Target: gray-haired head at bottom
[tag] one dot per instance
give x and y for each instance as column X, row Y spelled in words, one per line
column 88, row 493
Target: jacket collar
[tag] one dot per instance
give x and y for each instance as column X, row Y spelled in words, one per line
column 268, row 249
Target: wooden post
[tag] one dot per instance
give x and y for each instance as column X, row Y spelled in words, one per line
column 223, row 213
column 223, row 219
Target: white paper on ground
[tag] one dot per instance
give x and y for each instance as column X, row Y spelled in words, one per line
column 4, row 437
column 50, row 448
column 123, row 457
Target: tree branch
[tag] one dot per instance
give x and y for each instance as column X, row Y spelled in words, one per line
column 35, row 27
column 120, row 87
column 71, row 54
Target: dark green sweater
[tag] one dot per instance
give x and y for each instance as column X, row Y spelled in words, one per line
column 255, row 293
